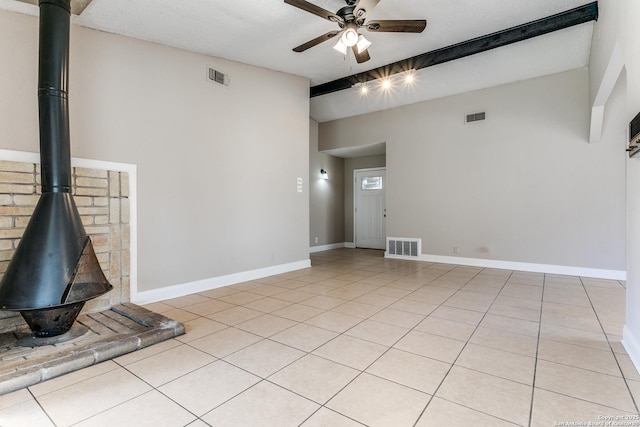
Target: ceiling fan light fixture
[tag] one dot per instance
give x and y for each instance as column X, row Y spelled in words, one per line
column 350, row 19
column 363, row 44
column 349, row 37
column 340, row 47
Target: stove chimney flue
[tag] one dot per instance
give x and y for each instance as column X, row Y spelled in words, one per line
column 54, row 270
column 53, row 96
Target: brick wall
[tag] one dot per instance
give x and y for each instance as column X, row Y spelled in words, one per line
column 102, row 198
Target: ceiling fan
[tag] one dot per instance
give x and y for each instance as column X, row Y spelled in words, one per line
column 351, row 18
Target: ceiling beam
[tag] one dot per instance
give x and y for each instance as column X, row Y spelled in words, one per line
column 579, row 15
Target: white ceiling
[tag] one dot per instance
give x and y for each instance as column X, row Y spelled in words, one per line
column 263, row 32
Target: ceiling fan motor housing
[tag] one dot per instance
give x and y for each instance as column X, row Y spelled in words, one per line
column 346, row 13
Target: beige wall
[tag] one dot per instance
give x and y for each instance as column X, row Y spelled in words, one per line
column 605, row 37
column 522, row 186
column 617, row 26
column 217, row 166
column 631, row 42
column 326, row 196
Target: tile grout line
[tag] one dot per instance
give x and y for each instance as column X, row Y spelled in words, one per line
column 264, row 338
column 367, row 367
column 539, row 334
column 374, row 361
column 535, row 366
column 222, row 360
column 307, row 353
column 157, row 389
column 564, row 364
column 40, row 406
column 463, row 347
column 624, row 378
column 402, row 272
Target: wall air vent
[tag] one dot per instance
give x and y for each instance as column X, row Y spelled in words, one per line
column 404, row 247
column 219, row 77
column 474, row 117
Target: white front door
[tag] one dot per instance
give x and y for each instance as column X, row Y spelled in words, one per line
column 370, row 208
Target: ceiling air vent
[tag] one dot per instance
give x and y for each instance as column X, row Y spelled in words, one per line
column 475, row 117
column 218, row 77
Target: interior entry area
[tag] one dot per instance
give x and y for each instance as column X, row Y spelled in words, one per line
column 332, row 199
column 370, row 211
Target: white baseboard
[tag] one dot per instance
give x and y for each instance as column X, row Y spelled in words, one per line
column 322, row 248
column 155, row 295
column 350, row 245
column 632, row 345
column 520, row 266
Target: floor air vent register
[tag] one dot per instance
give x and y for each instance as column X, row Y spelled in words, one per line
column 404, row 247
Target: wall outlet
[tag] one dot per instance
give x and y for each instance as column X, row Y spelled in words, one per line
column 315, row 240
column 455, row 249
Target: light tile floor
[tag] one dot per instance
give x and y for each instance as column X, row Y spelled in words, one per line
column 361, row 340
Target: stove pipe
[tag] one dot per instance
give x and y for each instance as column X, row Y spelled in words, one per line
column 54, row 270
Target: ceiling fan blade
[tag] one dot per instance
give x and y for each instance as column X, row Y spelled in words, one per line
column 363, row 7
column 397, row 26
column 360, row 57
column 316, row 41
column 316, row 10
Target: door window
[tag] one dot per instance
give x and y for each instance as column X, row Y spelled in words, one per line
column 372, row 183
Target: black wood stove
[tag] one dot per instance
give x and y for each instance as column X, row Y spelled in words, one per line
column 54, row 270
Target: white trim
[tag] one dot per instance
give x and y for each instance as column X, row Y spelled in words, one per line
column 607, row 84
column 350, row 245
column 175, row 291
column 131, row 169
column 322, row 248
column 19, row 156
column 521, row 266
column 632, row 345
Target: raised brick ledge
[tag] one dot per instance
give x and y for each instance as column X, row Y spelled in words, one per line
column 119, row 330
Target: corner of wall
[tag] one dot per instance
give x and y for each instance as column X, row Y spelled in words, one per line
column 631, row 343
